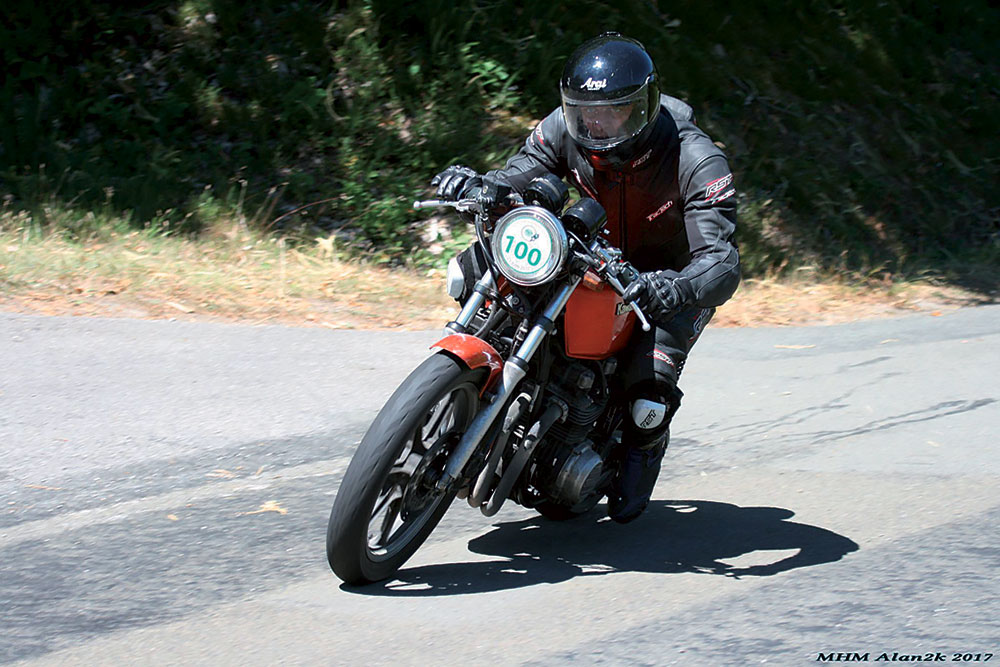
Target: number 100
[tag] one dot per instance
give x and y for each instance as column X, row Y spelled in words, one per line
column 521, row 251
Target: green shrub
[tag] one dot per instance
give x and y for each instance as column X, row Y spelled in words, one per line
column 863, row 134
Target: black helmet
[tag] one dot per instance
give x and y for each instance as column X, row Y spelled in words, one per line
column 610, row 92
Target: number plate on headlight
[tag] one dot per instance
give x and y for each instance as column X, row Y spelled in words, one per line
column 529, row 245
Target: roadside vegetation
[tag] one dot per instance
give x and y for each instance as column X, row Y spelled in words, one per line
column 251, row 159
column 231, row 272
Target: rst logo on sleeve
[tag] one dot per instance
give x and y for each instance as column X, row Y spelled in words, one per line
column 717, row 185
column 537, row 135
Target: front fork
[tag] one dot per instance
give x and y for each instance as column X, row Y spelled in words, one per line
column 513, row 371
column 472, row 305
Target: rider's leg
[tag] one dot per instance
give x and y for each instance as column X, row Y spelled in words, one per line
column 646, row 434
column 650, row 381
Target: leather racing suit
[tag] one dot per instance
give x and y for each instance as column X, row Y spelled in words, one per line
column 671, row 206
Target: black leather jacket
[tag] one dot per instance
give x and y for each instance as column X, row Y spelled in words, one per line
column 672, row 206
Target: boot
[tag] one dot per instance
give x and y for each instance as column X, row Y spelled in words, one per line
column 632, row 488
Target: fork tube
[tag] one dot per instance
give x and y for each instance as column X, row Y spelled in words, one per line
column 472, row 305
column 545, row 323
column 513, row 372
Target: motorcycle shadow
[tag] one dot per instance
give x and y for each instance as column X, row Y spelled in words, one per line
column 671, row 537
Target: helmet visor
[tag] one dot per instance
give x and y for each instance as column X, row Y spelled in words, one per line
column 602, row 124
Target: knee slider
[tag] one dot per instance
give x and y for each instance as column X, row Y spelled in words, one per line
column 647, row 415
column 650, row 424
column 653, row 404
column 652, row 408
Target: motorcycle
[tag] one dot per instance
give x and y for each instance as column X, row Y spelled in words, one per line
column 521, row 399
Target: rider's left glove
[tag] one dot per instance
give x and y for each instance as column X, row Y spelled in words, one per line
column 456, row 182
column 660, row 294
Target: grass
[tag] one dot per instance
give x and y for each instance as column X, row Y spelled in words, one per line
column 230, row 273
column 235, row 274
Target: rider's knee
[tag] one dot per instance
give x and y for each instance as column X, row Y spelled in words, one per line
column 651, row 408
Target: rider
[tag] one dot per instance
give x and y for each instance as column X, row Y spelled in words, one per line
column 671, row 206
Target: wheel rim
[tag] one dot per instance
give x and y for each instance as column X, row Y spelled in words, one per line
column 408, row 498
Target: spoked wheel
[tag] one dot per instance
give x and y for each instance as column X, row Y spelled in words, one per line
column 389, row 502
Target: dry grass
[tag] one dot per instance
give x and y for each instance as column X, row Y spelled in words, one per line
column 232, row 277
column 237, row 276
column 803, row 301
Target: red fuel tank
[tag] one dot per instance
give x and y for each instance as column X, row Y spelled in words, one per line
column 598, row 323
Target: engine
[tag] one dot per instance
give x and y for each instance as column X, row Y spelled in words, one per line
column 570, row 469
column 578, row 474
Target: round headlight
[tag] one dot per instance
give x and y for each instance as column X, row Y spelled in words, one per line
column 529, row 245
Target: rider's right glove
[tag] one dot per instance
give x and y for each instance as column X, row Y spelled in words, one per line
column 660, row 294
column 456, row 182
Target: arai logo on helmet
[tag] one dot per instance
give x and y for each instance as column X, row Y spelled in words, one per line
column 594, row 84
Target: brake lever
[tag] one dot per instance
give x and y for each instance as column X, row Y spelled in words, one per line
column 618, row 287
column 607, row 261
column 473, row 204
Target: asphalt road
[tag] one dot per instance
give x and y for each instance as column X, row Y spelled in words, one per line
column 164, row 490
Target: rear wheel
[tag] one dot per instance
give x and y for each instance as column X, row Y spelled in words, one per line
column 389, row 502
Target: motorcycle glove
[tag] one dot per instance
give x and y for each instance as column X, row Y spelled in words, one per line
column 455, row 182
column 660, row 294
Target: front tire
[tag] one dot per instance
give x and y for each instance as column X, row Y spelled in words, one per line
column 388, row 502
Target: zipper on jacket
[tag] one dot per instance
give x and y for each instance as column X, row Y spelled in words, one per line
column 624, row 181
column 622, row 219
column 618, row 179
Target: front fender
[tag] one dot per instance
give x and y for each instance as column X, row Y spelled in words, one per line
column 474, row 353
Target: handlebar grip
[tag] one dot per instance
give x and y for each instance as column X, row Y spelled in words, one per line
column 429, row 203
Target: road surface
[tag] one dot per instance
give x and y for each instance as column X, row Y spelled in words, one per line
column 165, row 488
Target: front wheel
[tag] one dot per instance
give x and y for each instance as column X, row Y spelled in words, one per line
column 388, row 502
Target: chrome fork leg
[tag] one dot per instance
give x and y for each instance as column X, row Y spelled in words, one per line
column 513, row 372
column 472, row 305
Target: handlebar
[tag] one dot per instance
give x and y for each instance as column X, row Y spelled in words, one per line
column 461, row 204
column 609, row 264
